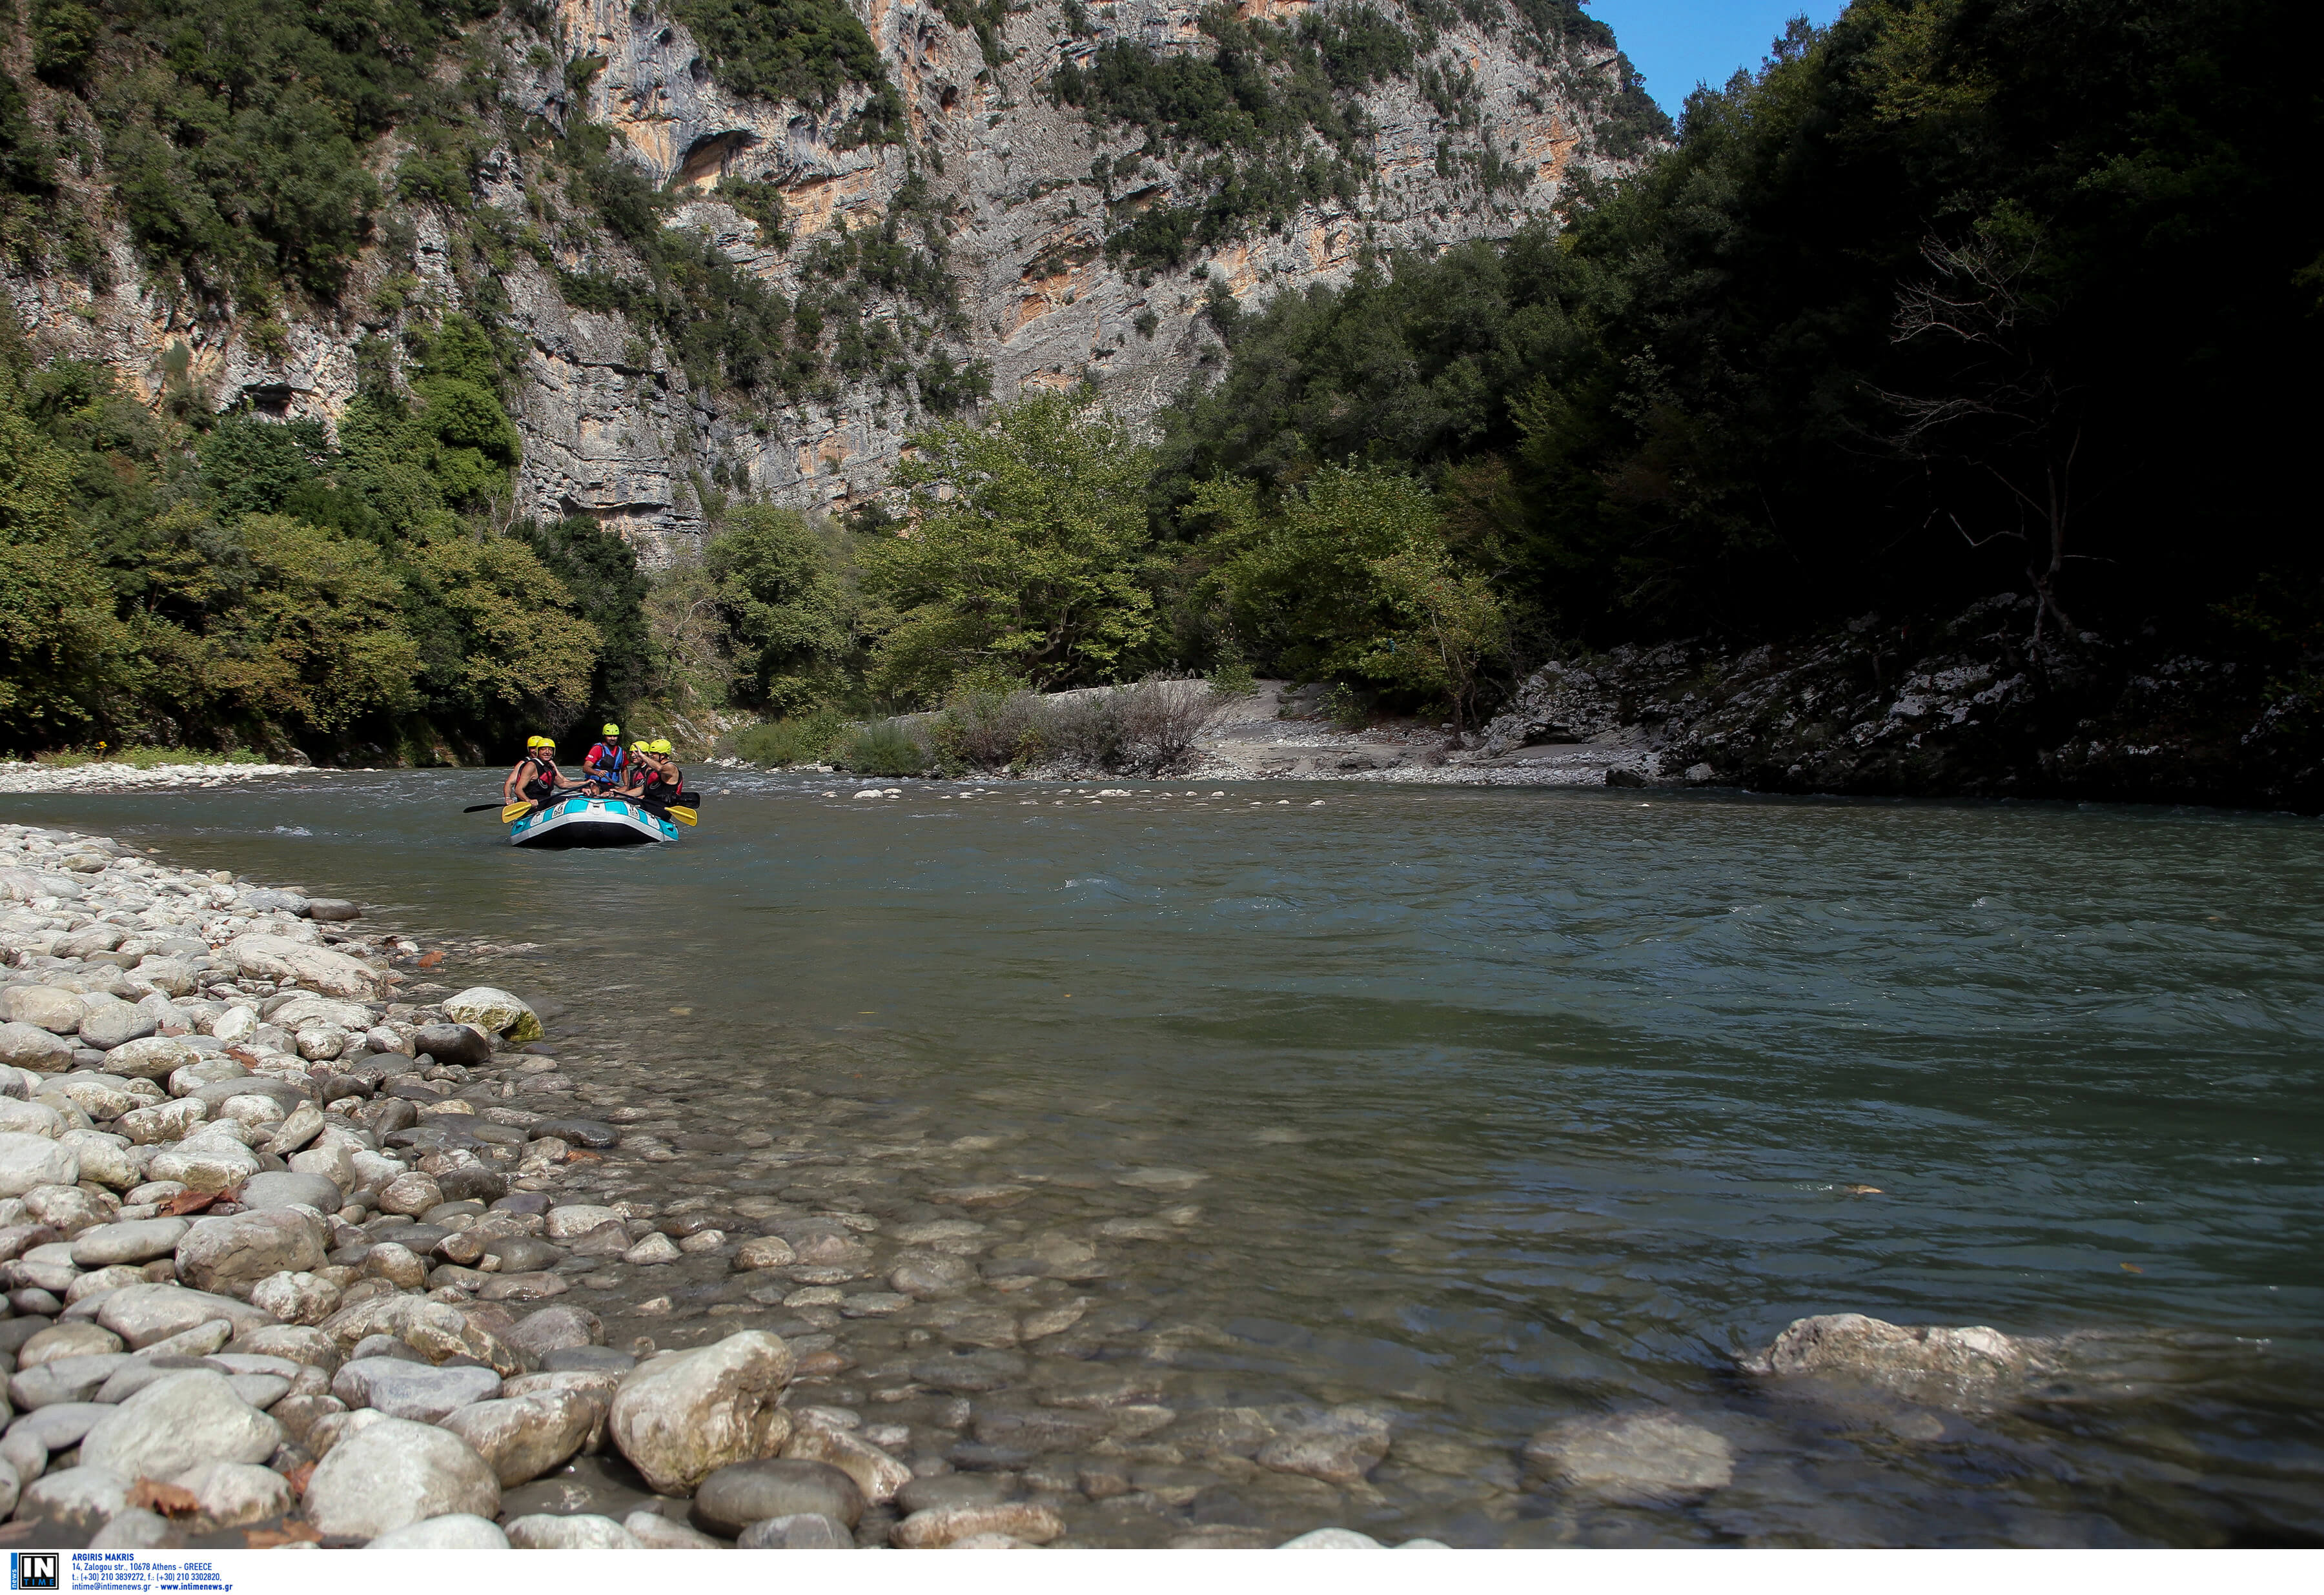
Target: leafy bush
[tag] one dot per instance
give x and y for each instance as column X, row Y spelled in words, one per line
column 803, row 739
column 806, row 50
column 1232, row 678
column 988, row 727
column 1083, row 730
column 883, row 747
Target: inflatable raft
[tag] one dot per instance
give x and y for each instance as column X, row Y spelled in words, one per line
column 592, row 822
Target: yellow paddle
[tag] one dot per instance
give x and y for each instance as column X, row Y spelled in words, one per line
column 515, row 810
column 684, row 817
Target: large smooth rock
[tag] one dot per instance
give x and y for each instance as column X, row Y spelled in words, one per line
column 393, row 1472
column 105, row 1159
column 492, row 1010
column 80, row 1500
column 293, row 1342
column 575, row 1219
column 655, row 1532
column 1020, row 1520
column 1926, row 1362
column 464, row 1044
column 435, row 1329
column 296, row 1299
column 59, row 1012
column 64, row 1379
column 232, row 1494
column 162, row 1122
column 264, row 1191
column 680, row 1418
column 146, row 1314
column 175, row 1424
column 318, row 969
column 800, row 1531
column 455, row 1531
column 733, row 1497
column 1340, row 1446
column 107, row 1025
column 29, row 1161
column 296, row 1012
column 31, row 1118
column 583, row 1531
column 150, row 1057
column 876, row 1473
column 1639, row 1458
column 29, row 1046
column 413, row 1391
column 526, row 1437
column 200, row 1163
column 227, row 1256
column 555, row 1329
column 69, row 1339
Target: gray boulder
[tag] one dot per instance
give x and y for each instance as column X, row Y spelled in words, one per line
column 455, row 1531
column 108, row 1024
column 800, row 1531
column 176, row 1423
column 582, row 1531
column 228, row 1256
column 526, row 1437
column 413, row 1391
column 78, row 1501
column 44, row 1005
column 29, row 1161
column 734, row 1497
column 138, row 1239
column 29, row 1046
column 681, row 1416
column 454, row 1044
column 1634, row 1458
column 391, row 1473
column 265, row 1190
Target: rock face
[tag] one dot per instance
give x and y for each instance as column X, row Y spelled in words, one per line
column 1902, row 705
column 1005, row 191
column 680, row 1416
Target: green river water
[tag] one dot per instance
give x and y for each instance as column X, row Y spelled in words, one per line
column 1497, row 1107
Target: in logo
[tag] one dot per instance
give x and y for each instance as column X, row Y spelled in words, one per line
column 33, row 1570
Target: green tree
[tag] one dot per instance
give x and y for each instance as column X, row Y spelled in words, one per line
column 519, row 649
column 1026, row 553
column 787, row 611
column 272, row 622
column 61, row 648
column 1330, row 578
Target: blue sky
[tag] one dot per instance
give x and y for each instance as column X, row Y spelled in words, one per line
column 1677, row 43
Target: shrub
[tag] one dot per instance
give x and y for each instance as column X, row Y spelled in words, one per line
column 882, row 747
column 1160, row 718
column 989, row 726
column 800, row 739
column 1234, row 680
column 1083, row 729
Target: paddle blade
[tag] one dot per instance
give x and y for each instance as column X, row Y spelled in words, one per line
column 684, row 817
column 515, row 811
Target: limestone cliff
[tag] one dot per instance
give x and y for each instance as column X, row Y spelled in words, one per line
column 986, row 177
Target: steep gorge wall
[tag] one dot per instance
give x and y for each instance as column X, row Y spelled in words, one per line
column 1475, row 136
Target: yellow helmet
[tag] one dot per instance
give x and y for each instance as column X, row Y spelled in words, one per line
column 611, row 729
column 661, row 744
column 538, row 741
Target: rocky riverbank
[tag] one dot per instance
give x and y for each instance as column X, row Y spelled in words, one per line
column 301, row 1245
column 111, row 775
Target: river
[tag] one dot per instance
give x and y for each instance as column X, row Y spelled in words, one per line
column 1486, row 1109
